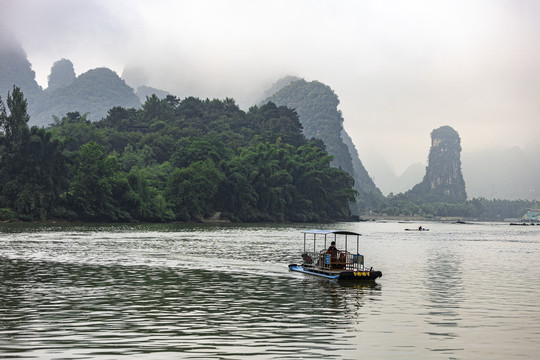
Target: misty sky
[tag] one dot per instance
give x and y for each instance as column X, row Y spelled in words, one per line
column 400, row 68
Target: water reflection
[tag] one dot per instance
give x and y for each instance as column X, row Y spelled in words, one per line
column 81, row 310
column 444, row 294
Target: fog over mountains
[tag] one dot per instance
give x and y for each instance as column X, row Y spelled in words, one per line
column 497, row 173
column 400, row 68
column 504, row 173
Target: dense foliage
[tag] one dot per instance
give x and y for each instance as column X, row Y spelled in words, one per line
column 33, row 166
column 187, row 160
column 170, row 160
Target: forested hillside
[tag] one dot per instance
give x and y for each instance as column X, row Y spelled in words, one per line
column 106, row 159
column 316, row 105
column 170, row 160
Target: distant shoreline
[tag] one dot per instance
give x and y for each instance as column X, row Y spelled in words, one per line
column 371, row 218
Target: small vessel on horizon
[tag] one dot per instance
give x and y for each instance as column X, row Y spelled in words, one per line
column 420, row 228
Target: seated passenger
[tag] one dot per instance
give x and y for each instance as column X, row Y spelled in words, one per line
column 307, row 258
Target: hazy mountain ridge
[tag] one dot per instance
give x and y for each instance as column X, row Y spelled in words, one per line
column 16, row 69
column 144, row 91
column 316, row 105
column 278, row 85
column 360, row 173
column 502, row 174
column 505, row 173
column 94, row 92
column 493, row 174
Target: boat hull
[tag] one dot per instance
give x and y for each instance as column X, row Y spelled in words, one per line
column 346, row 275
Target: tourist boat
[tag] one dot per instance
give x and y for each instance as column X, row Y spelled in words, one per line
column 331, row 263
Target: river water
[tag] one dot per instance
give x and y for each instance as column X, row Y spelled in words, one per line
column 458, row 291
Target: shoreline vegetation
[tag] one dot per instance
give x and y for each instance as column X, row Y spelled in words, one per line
column 371, row 218
column 187, row 160
column 171, row 160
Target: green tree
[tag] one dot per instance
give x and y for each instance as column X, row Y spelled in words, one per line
column 258, row 185
column 144, row 201
column 237, row 197
column 192, row 189
column 33, row 172
column 14, row 123
column 323, row 192
column 95, row 178
column 190, row 150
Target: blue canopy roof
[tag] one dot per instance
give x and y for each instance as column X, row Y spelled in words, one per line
column 326, row 232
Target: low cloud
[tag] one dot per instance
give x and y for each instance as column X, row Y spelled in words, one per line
column 400, row 69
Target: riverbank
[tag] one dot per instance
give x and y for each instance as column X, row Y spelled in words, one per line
column 448, row 219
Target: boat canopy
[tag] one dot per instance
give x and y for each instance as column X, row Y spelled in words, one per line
column 323, row 256
column 326, row 232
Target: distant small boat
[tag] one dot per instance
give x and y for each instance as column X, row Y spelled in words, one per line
column 417, row 229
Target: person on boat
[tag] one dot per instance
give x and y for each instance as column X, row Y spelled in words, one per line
column 307, row 258
column 420, row 228
column 334, row 252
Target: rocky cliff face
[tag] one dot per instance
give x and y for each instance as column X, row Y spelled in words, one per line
column 62, row 74
column 15, row 69
column 443, row 180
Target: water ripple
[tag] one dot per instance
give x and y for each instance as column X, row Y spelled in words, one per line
column 201, row 291
column 113, row 310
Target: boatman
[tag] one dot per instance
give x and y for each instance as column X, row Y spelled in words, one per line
column 333, row 251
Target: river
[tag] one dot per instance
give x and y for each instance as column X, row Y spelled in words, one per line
column 184, row 291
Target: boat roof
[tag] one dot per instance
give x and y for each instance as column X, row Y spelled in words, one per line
column 326, row 232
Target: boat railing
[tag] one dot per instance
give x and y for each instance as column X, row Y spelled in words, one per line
column 356, row 262
column 310, row 258
column 339, row 260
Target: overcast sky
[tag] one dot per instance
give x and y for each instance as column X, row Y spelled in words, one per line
column 400, row 68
